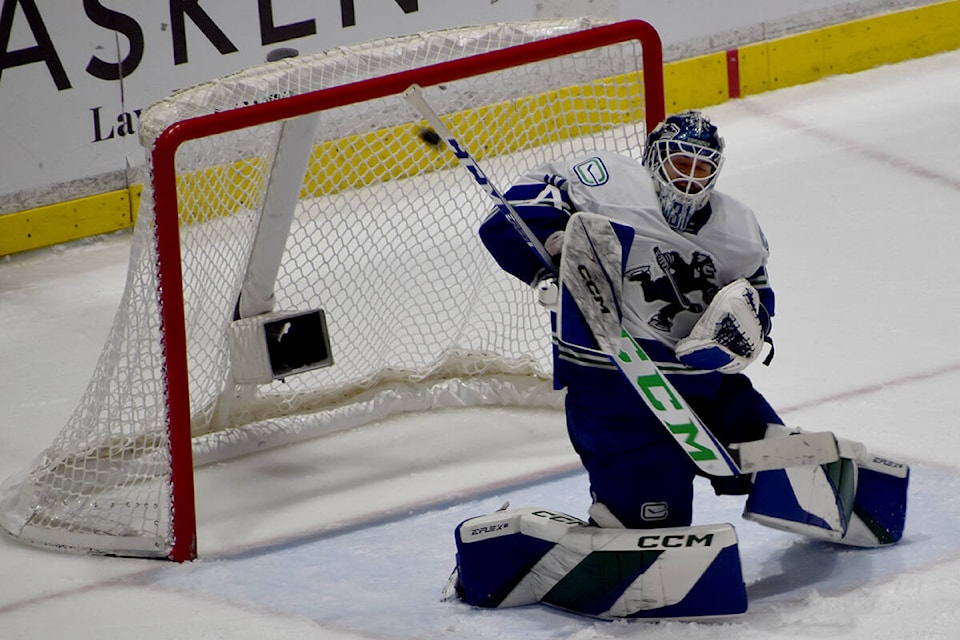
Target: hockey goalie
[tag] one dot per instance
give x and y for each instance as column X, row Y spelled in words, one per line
column 658, row 289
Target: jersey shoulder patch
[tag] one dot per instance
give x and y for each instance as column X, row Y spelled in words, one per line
column 591, row 172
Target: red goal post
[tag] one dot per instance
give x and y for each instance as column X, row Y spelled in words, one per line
column 189, row 381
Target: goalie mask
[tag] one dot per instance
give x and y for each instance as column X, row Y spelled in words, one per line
column 684, row 154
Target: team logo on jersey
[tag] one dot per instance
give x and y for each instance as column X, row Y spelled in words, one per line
column 679, row 279
column 592, row 172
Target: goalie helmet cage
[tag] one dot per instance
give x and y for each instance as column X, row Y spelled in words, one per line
column 306, row 184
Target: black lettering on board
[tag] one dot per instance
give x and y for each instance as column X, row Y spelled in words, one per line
column 179, row 10
column 271, row 33
column 348, row 13
column 44, row 51
column 124, row 25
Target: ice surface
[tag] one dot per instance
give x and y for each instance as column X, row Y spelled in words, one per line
column 856, row 180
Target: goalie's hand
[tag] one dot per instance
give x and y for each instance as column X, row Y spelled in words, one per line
column 728, row 336
column 548, row 292
column 554, row 243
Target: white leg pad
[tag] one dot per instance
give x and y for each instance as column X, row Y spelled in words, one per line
column 858, row 501
column 524, row 556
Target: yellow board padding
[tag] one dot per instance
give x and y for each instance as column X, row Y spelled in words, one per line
column 850, row 47
column 394, row 153
column 693, row 83
column 66, row 221
column 220, row 191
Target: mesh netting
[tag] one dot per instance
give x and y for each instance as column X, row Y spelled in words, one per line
column 383, row 239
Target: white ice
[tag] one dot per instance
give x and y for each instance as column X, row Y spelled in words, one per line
column 856, row 180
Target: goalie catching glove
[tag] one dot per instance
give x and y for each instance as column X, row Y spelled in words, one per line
column 729, row 335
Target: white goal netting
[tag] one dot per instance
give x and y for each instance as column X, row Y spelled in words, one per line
column 381, row 235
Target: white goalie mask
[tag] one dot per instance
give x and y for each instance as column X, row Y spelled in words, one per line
column 684, row 155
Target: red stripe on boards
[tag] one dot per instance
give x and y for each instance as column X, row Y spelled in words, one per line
column 733, row 73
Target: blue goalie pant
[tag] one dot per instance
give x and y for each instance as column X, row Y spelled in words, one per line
column 635, row 467
column 525, row 556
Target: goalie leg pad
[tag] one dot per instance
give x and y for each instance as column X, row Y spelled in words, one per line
column 880, row 508
column 860, row 502
column 814, row 501
column 525, row 556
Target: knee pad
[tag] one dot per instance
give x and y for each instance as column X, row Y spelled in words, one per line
column 860, row 500
column 525, row 556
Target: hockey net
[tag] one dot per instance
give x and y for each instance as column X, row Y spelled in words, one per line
column 310, row 184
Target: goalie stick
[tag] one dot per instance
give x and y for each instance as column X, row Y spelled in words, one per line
column 591, row 269
column 414, row 95
column 589, row 280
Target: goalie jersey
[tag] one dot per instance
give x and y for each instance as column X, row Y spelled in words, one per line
column 670, row 277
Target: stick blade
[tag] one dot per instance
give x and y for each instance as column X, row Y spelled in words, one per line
column 795, row 450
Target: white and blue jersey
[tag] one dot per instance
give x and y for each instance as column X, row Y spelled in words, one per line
column 669, row 278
